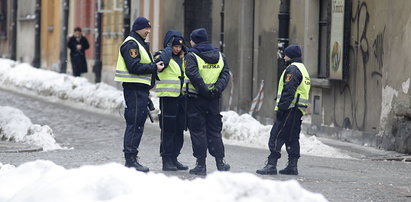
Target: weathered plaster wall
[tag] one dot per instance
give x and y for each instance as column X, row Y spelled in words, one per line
column 375, row 98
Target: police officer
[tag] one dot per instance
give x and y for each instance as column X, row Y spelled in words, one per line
column 170, row 88
column 292, row 101
column 208, row 72
column 137, row 71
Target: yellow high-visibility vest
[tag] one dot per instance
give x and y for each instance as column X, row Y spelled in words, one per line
column 209, row 72
column 170, row 84
column 303, row 89
column 122, row 73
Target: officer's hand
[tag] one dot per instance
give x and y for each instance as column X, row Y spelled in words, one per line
column 160, row 66
column 182, row 54
column 213, row 93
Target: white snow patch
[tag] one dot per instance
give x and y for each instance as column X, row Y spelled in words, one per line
column 43, row 181
column 245, row 131
column 5, row 167
column 406, row 86
column 15, row 126
column 22, row 76
column 388, row 94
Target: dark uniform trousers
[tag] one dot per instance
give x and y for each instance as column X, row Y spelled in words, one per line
column 135, row 114
column 284, row 131
column 205, row 125
column 172, row 123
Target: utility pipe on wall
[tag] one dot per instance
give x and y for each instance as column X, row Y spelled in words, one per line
column 283, row 34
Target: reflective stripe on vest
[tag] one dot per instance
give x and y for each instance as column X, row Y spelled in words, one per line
column 170, row 83
column 122, row 73
column 303, row 89
column 209, row 72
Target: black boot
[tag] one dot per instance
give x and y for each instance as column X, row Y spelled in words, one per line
column 131, row 162
column 270, row 168
column 179, row 165
column 291, row 168
column 168, row 164
column 221, row 165
column 200, row 168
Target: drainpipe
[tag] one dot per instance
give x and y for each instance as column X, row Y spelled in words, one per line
column 284, row 23
column 126, row 24
column 222, row 27
column 97, row 68
column 37, row 36
column 13, row 29
column 63, row 37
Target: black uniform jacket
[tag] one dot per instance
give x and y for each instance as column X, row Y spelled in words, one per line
column 210, row 55
column 292, row 79
column 133, row 63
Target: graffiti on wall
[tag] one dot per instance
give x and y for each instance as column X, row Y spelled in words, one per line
column 361, row 72
column 378, row 46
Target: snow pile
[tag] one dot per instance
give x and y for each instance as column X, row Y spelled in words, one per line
column 43, row 181
column 22, row 76
column 244, row 130
column 4, row 168
column 15, row 126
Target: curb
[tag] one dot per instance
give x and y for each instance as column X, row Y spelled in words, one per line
column 13, row 147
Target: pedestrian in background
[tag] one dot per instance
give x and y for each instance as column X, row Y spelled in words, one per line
column 291, row 103
column 208, row 72
column 78, row 44
column 137, row 70
column 169, row 88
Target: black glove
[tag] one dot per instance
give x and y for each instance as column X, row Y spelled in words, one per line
column 213, row 93
column 150, row 105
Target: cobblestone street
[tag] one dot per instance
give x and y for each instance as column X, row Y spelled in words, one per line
column 96, row 138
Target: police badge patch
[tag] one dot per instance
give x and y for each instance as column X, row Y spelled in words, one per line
column 133, row 53
column 288, row 77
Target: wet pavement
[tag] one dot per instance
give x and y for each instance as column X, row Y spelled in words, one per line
column 96, row 138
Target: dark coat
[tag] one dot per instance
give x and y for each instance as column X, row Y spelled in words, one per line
column 78, row 57
column 210, row 55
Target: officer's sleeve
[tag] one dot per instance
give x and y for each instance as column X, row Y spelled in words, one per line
column 130, row 53
column 224, row 77
column 194, row 75
column 292, row 79
column 165, row 56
